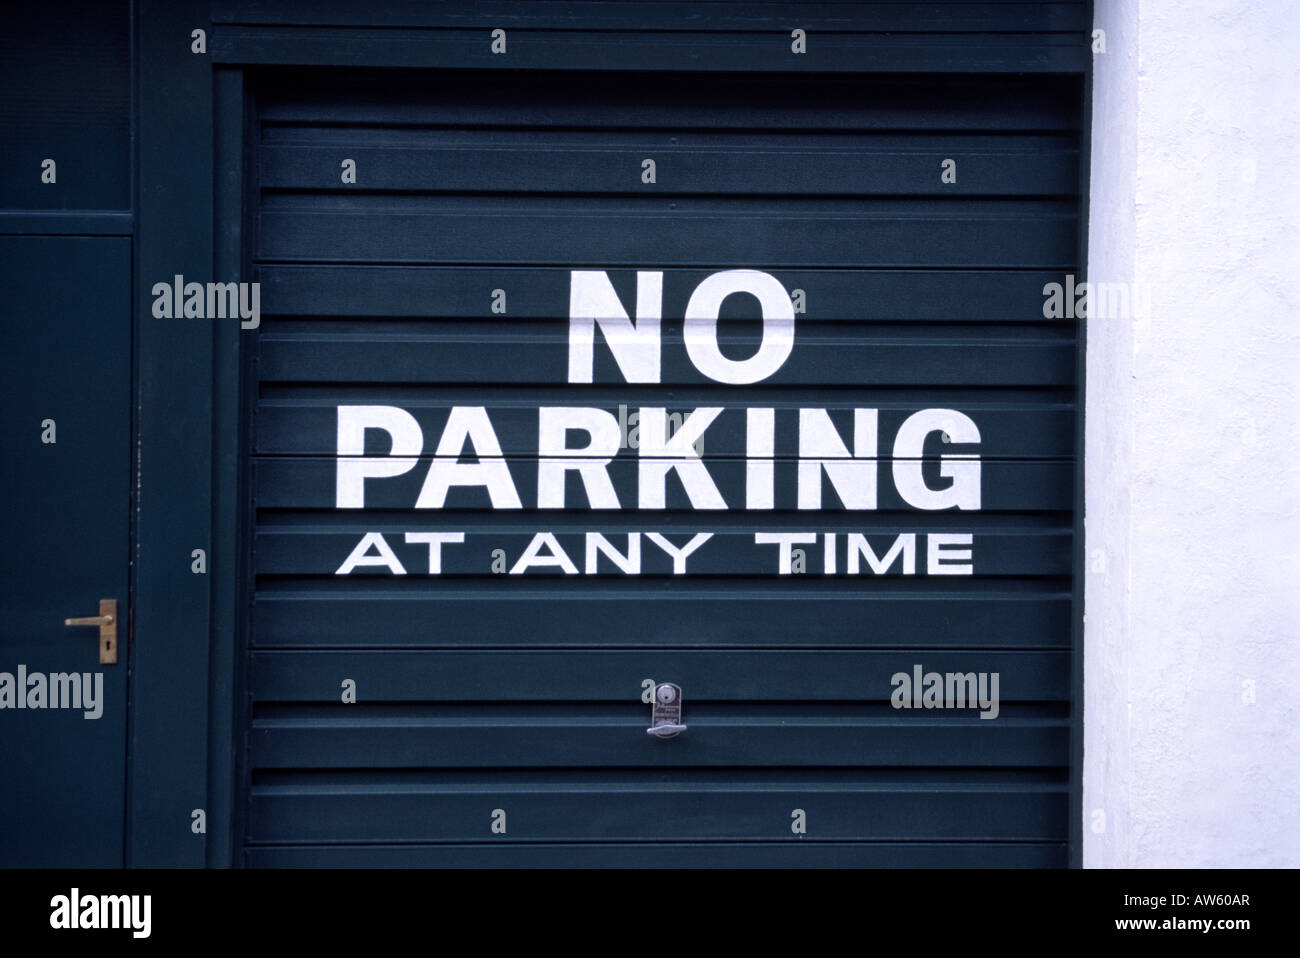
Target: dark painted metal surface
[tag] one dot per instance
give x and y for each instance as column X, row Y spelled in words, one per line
column 232, row 114
column 1076, row 813
column 232, row 673
column 65, row 95
column 64, row 526
column 478, row 691
column 174, row 397
column 665, row 855
column 956, row 37
column 65, row 272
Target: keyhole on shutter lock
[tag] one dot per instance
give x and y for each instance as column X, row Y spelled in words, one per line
column 666, row 711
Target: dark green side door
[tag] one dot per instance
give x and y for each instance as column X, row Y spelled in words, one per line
column 65, row 527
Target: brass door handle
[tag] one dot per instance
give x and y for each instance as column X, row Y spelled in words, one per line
column 90, row 620
column 107, row 623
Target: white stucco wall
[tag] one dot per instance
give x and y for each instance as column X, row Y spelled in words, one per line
column 1193, row 440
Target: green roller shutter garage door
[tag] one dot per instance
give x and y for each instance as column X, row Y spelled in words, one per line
column 572, row 384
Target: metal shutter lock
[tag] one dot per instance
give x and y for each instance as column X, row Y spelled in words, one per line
column 666, row 711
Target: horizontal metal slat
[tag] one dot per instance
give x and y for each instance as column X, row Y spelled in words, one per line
column 311, row 483
column 993, row 553
column 527, row 360
column 614, row 675
column 312, row 429
column 321, row 133
column 621, row 522
column 608, row 100
column 671, row 238
column 752, row 16
column 794, row 852
column 664, row 813
column 906, row 738
column 677, row 170
column 360, row 292
column 673, row 619
column 651, row 50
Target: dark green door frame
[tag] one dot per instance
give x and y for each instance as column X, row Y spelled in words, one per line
column 169, row 742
